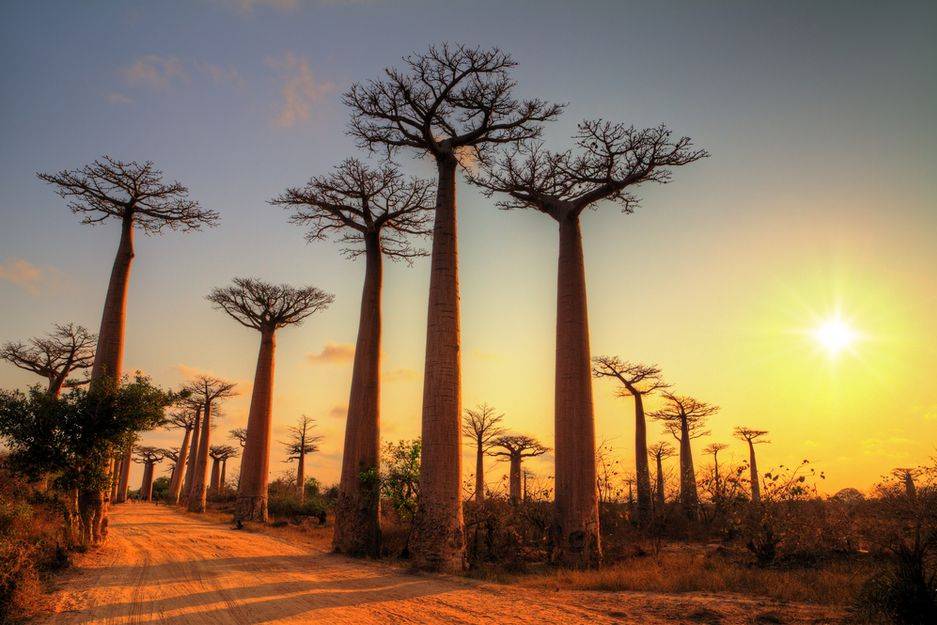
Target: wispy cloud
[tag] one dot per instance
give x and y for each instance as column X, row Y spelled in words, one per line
column 116, row 98
column 333, row 353
column 29, row 277
column 247, row 6
column 401, row 374
column 219, row 74
column 299, row 88
column 155, row 72
column 338, row 411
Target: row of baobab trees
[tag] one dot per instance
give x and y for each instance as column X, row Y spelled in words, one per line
column 456, row 105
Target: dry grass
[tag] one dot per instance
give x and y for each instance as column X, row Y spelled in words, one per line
column 833, row 584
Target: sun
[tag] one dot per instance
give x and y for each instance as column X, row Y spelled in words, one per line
column 834, row 335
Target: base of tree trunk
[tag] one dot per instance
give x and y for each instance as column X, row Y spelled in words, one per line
column 357, row 526
column 438, row 542
column 251, row 509
column 578, row 548
column 195, row 505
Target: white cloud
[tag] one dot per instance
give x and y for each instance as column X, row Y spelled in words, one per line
column 300, row 89
column 333, row 353
column 155, row 72
column 32, row 279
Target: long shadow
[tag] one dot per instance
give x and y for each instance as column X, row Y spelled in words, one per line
column 372, row 588
column 183, row 570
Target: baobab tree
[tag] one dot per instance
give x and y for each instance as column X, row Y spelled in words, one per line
column 137, row 195
column 219, row 456
column 482, row 426
column 374, row 213
column 636, row 380
column 685, row 418
column 713, row 450
column 186, row 418
column 266, row 308
column 240, row 435
column 660, row 451
column 229, row 452
column 516, row 447
column 907, row 476
column 611, row 160
column 149, row 457
column 452, row 103
column 56, row 356
column 196, row 406
column 205, row 390
column 752, row 437
column 302, row 442
column 172, row 455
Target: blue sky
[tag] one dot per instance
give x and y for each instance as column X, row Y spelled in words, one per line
column 820, row 117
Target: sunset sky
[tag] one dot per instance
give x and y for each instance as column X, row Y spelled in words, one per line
column 819, row 202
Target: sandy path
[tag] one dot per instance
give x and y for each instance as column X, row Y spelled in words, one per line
column 161, row 566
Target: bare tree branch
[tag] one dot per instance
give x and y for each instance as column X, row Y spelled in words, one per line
column 261, row 305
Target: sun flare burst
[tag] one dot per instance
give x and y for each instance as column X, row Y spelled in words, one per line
column 835, row 335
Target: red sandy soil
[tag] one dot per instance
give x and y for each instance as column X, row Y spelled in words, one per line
column 162, row 566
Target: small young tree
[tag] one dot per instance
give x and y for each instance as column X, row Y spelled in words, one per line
column 76, row 436
column 637, row 380
column 266, row 308
column 516, row 447
column 752, row 437
column 149, row 457
column 713, row 450
column 374, row 213
column 302, row 442
column 660, row 451
column 451, row 103
column 206, row 390
column 69, row 348
column 685, row 418
column 400, row 480
column 186, row 418
column 612, row 159
column 482, row 426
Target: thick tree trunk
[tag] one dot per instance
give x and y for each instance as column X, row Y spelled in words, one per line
column 193, row 456
column 255, row 463
column 198, row 495
column 515, row 479
column 357, row 515
column 642, row 471
column 910, row 490
column 577, row 541
column 718, row 495
column 123, row 486
column 215, row 477
column 115, row 472
column 688, row 495
column 175, row 484
column 480, row 473
column 301, row 478
column 660, row 485
column 438, row 541
column 222, row 481
column 146, row 488
column 753, row 474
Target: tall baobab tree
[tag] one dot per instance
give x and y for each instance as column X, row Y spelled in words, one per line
column 452, row 103
column 713, row 450
column 228, row 453
column 240, row 435
column 186, row 418
column 195, row 405
column 219, row 455
column 482, row 426
column 685, row 418
column 136, row 194
column 611, row 160
column 302, row 442
column 752, row 437
column 516, row 447
column 206, row 390
column 172, row 455
column 266, row 308
column 660, row 451
column 149, row 457
column 907, row 476
column 69, row 348
column 374, row 213
column 637, row 380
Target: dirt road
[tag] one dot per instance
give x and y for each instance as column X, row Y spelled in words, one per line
column 162, row 566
